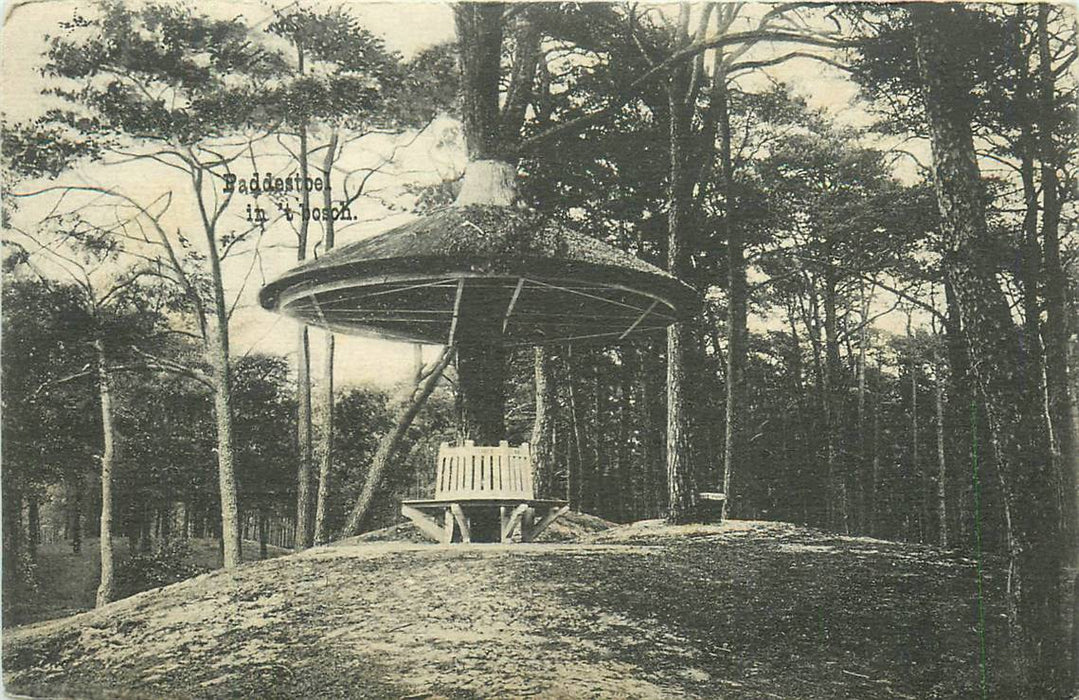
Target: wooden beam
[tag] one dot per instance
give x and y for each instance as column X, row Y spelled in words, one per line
column 639, row 319
column 427, row 525
column 552, row 515
column 318, row 310
column 456, row 311
column 513, row 302
column 595, row 297
column 462, row 522
column 510, row 523
column 447, row 533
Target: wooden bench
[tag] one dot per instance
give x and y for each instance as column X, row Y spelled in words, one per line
column 483, row 494
column 710, row 505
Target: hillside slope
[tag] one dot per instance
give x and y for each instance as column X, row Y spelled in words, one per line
column 739, row 610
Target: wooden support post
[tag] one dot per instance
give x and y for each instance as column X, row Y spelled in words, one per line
column 552, row 515
column 447, row 533
column 456, row 312
column 513, row 302
column 528, row 521
column 639, row 319
column 510, row 524
column 427, row 525
column 462, row 522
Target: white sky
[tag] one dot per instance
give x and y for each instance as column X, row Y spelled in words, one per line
column 406, row 27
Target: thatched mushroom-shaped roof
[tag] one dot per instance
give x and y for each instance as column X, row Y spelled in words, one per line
column 534, row 282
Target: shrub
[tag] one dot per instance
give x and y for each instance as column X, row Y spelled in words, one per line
column 169, row 563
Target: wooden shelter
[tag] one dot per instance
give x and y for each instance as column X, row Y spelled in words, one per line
column 502, row 273
column 482, row 278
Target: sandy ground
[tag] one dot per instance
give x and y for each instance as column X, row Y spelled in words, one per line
column 739, row 610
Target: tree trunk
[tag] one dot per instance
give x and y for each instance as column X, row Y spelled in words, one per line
column 1062, row 407
column 942, row 464
column 33, row 526
column 388, row 445
column 959, row 389
column 543, row 456
column 263, row 534
column 575, row 485
column 303, row 439
column 12, row 531
column 226, row 468
column 833, row 413
column 304, row 511
column 106, row 588
column 78, row 484
column 651, row 431
column 915, row 457
column 165, row 522
column 1013, row 407
column 874, row 489
column 479, row 40
column 737, row 294
column 481, row 367
column 326, row 453
column 863, row 443
column 681, row 490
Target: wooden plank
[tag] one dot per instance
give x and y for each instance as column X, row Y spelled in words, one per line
column 462, row 522
column 428, row 526
column 552, row 515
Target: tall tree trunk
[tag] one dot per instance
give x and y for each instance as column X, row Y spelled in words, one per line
column 621, row 471
column 543, row 456
column 326, row 453
column 737, row 292
column 959, row 389
column 874, row 489
column 303, row 438
column 865, row 299
column 575, row 485
column 1062, row 406
column 106, row 587
column 594, row 500
column 681, row 489
column 942, row 463
column 489, row 180
column 915, row 444
column 837, row 497
column 218, row 351
column 304, row 510
column 1013, row 405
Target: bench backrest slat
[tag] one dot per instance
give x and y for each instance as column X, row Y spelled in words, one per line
column 476, row 471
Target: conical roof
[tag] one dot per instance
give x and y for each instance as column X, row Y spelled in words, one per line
column 540, row 282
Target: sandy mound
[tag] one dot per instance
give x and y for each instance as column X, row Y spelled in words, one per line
column 571, row 527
